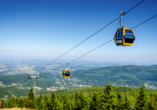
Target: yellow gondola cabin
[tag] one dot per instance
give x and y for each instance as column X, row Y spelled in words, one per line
column 66, row 73
column 124, row 37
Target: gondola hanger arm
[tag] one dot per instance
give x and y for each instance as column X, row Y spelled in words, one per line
column 68, row 65
column 121, row 14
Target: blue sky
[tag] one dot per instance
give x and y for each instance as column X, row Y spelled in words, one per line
column 45, row 29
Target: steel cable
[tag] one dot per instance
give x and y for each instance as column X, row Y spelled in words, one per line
column 90, row 36
column 103, row 44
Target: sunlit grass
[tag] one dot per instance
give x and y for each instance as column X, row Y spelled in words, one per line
column 17, row 109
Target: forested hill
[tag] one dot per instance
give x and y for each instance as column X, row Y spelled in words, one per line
column 24, row 92
column 106, row 97
column 120, row 75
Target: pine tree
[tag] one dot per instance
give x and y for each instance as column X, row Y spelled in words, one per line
column 126, row 104
column 107, row 98
column 141, row 99
column 36, row 103
column 11, row 103
column 48, row 104
column 28, row 102
column 96, row 101
column 59, row 98
column 66, row 103
column 72, row 102
column 55, row 104
column 151, row 103
column 6, row 104
column 20, row 102
column 31, row 96
column 77, row 102
column 45, row 101
column 24, row 101
column 118, row 101
column 41, row 103
column 53, row 101
column 83, row 101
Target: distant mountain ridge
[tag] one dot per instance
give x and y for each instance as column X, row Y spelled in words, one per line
column 129, row 75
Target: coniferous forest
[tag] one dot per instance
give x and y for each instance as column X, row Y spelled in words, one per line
column 105, row 99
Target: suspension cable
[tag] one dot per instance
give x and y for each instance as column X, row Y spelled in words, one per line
column 144, row 21
column 103, row 44
column 90, row 36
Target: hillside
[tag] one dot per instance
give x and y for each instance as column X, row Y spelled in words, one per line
column 9, row 91
column 120, row 75
column 22, row 80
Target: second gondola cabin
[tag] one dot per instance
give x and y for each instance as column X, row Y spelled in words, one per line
column 124, row 37
column 66, row 73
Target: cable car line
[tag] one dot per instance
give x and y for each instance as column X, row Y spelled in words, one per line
column 66, row 72
column 134, row 7
column 110, row 40
column 89, row 36
column 81, row 42
column 91, row 50
column 102, row 44
column 145, row 21
column 85, row 53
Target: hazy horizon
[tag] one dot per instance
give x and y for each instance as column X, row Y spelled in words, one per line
column 64, row 61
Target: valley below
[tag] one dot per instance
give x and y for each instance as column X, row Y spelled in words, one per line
column 14, row 75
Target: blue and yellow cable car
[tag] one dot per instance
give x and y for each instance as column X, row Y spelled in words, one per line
column 66, row 72
column 124, row 36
